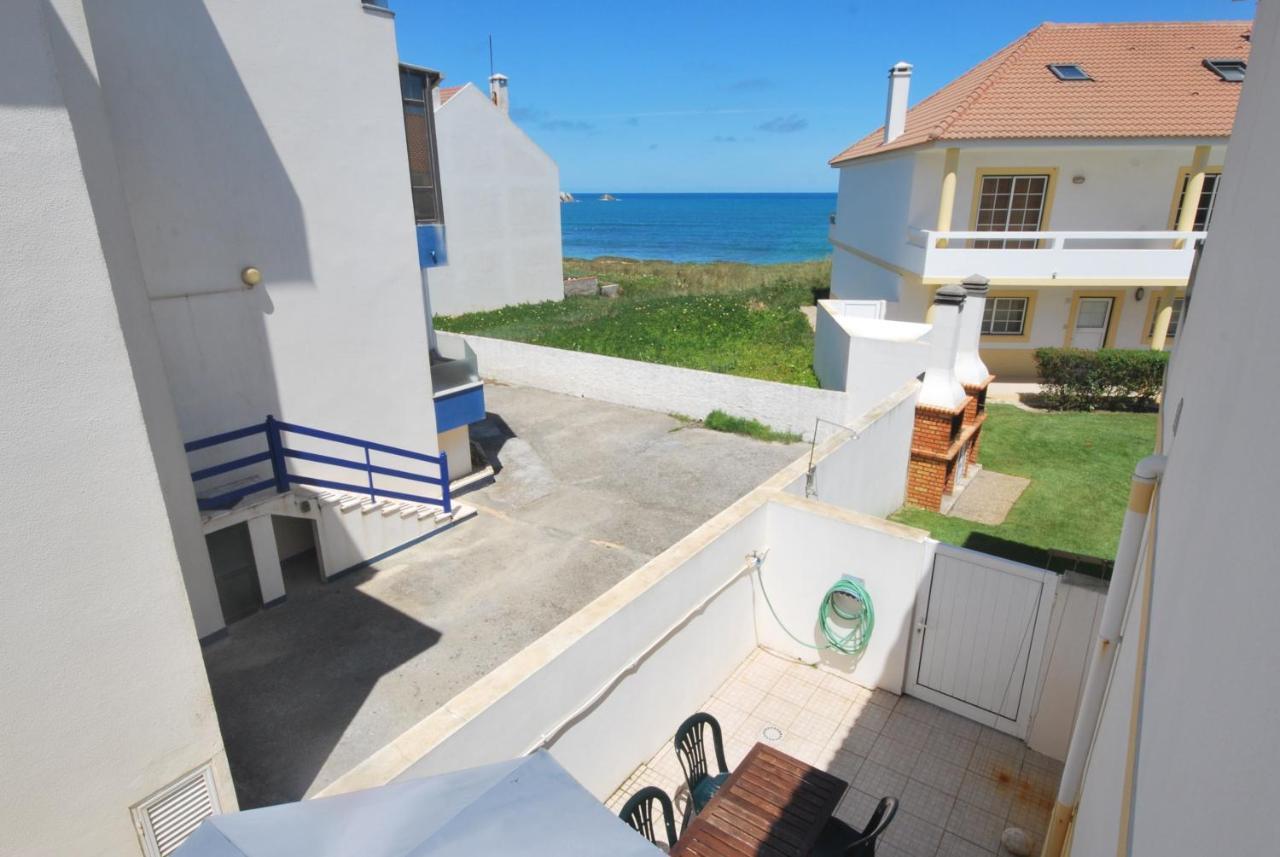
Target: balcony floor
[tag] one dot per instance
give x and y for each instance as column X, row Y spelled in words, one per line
column 960, row 783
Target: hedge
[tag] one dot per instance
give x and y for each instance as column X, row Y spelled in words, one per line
column 1110, row 378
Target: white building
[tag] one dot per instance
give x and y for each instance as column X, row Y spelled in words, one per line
column 271, row 274
column 500, row 239
column 195, row 251
column 1081, row 139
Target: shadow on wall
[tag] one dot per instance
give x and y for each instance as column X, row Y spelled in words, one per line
column 208, row 195
column 1038, row 557
column 175, row 231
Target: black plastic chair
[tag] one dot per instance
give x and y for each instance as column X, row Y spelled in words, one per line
column 691, row 750
column 638, row 812
column 840, row 840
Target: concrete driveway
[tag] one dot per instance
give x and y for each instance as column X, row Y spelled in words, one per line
column 586, row 493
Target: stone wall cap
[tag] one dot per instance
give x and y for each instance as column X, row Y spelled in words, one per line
column 976, row 284
column 951, row 294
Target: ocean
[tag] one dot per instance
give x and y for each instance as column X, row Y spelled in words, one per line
column 699, row 227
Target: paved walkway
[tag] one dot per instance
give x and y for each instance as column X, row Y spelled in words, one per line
column 586, row 493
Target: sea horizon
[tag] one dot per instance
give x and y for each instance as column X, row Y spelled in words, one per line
column 757, row 227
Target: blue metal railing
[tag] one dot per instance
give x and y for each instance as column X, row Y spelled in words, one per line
column 281, row 479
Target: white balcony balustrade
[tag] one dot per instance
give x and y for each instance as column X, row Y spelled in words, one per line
column 1141, row 256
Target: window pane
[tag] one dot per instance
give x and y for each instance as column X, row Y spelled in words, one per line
column 413, row 85
column 1010, row 204
column 1004, row 316
column 1204, row 208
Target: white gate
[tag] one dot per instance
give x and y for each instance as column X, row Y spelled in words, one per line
column 979, row 635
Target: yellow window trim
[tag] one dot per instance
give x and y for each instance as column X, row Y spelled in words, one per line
column 983, row 172
column 1025, row 336
column 1113, row 323
column 1183, row 172
column 1153, row 306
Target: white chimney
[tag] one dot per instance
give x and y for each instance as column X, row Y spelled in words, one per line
column 941, row 389
column 970, row 369
column 498, row 92
column 895, row 112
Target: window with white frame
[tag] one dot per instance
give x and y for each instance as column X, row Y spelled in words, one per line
column 1004, row 316
column 1011, row 204
column 1174, row 319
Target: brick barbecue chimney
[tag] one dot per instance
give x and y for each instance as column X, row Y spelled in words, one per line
column 941, row 389
column 940, row 439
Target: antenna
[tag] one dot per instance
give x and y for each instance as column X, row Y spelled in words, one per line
column 491, row 55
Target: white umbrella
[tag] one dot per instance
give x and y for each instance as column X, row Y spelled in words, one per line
column 528, row 806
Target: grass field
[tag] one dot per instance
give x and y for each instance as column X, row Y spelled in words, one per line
column 1079, row 465
column 724, row 317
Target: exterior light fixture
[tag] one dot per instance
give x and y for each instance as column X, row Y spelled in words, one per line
column 1077, row 179
column 1139, row 293
column 251, row 276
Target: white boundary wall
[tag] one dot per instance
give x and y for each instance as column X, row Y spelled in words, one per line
column 655, row 387
column 868, row 474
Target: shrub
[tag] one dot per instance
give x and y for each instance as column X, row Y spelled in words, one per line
column 718, row 420
column 1112, row 379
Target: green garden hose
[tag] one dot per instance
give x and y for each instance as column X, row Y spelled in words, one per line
column 861, row 620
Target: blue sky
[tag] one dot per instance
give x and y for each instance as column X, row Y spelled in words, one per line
column 717, row 96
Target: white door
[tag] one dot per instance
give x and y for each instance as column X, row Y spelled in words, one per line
column 1093, row 316
column 979, row 637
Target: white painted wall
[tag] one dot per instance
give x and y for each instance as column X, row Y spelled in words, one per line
column 103, row 692
column 810, row 546
column 874, row 206
column 1073, row 631
column 868, row 358
column 287, row 154
column 651, row 700
column 1125, row 186
column 653, row 386
column 501, row 199
column 78, row 78
column 855, row 277
column 1207, row 745
column 864, row 469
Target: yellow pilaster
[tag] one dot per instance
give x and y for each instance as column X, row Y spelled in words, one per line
column 1161, row 331
column 947, row 200
column 1191, row 198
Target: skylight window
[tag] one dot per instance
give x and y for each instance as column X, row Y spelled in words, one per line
column 1229, row 70
column 1068, row 71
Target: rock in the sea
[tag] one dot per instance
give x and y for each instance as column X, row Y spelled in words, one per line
column 565, row 196
column 610, row 290
column 608, row 197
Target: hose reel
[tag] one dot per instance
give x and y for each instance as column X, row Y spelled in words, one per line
column 846, row 615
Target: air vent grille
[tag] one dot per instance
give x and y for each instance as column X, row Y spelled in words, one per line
column 166, row 819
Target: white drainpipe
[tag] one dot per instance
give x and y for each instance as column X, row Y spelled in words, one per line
column 1145, row 476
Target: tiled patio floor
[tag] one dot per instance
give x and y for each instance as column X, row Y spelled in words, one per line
column 960, row 784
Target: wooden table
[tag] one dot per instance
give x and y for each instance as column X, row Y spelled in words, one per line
column 772, row 805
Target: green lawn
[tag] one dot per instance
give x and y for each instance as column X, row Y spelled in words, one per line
column 1079, row 465
column 720, row 317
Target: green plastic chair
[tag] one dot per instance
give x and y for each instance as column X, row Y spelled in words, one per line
column 638, row 812
column 691, row 750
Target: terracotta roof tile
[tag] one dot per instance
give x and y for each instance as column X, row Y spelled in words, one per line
column 1149, row 80
column 447, row 92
